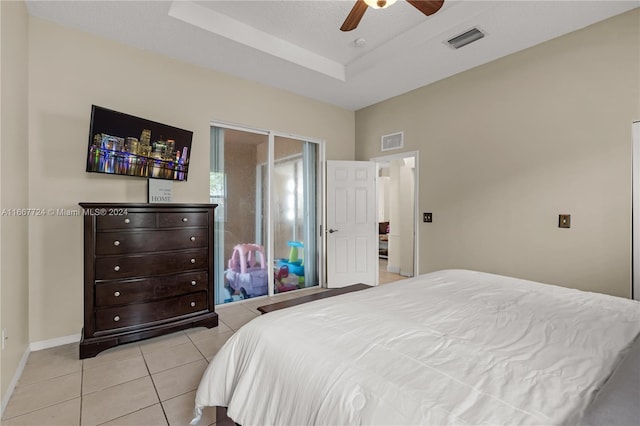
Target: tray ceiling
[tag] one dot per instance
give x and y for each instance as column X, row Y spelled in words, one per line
column 296, row 45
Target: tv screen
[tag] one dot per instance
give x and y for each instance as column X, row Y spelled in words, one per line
column 122, row 144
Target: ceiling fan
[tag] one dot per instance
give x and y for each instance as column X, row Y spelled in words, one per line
column 428, row 7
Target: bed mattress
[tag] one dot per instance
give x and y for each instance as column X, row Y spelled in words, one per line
column 452, row 347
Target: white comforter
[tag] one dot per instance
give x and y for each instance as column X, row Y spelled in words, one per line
column 450, row 347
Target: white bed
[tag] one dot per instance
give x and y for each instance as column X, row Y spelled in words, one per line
column 450, row 347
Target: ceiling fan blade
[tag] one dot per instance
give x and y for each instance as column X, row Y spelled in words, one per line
column 355, row 16
column 428, row 7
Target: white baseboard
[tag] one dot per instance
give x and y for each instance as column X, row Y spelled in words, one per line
column 35, row 346
column 14, row 381
column 51, row 343
column 393, row 269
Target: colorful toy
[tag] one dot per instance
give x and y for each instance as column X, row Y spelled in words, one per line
column 247, row 273
column 294, row 264
column 283, row 281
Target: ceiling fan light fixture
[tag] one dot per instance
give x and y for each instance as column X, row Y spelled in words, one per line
column 427, row 7
column 379, row 4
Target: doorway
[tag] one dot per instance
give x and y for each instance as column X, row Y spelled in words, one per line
column 397, row 189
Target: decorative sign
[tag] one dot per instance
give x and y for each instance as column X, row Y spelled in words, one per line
column 160, row 190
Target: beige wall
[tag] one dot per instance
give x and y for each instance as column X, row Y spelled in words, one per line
column 70, row 70
column 13, row 189
column 506, row 147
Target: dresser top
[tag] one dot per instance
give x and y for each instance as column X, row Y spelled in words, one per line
column 146, row 205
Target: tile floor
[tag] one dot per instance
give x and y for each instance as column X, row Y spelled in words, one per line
column 152, row 382
column 385, row 277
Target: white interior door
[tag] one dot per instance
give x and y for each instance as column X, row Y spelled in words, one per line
column 635, row 278
column 352, row 226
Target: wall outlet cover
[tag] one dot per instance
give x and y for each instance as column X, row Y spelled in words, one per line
column 427, row 217
column 564, row 221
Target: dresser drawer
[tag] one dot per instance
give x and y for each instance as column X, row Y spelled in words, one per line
column 171, row 220
column 123, row 292
column 128, row 221
column 118, row 267
column 151, row 240
column 144, row 313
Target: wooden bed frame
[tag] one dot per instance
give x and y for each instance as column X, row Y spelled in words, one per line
column 222, row 419
column 311, row 297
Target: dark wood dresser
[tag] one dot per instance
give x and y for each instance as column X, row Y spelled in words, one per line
column 148, row 270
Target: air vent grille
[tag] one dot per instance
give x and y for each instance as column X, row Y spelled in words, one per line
column 392, row 141
column 465, row 38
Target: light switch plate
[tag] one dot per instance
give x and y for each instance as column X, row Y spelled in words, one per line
column 564, row 221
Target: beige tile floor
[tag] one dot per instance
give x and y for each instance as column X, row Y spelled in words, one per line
column 152, row 382
column 385, row 277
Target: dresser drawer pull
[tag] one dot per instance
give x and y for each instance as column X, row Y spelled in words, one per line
column 193, row 304
column 193, row 282
column 185, row 219
column 116, row 243
column 127, row 220
column 117, row 268
column 116, row 294
column 193, row 261
column 116, row 318
column 192, row 238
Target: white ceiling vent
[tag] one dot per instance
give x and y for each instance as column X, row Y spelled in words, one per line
column 465, row 38
column 392, row 141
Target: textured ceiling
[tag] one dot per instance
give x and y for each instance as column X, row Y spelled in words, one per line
column 296, row 45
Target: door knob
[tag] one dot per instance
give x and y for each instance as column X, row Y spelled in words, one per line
column 331, row 231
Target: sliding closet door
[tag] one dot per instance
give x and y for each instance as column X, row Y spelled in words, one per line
column 267, row 226
column 294, row 214
column 242, row 270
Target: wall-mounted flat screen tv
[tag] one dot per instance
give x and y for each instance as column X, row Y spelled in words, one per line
column 122, row 144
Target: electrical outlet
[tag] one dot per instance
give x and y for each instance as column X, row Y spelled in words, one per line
column 4, row 338
column 427, row 217
column 564, row 221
